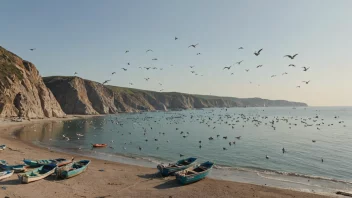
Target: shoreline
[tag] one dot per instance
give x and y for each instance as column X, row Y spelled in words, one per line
column 116, row 179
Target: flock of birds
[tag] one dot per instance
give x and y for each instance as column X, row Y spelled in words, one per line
column 193, row 71
column 145, row 126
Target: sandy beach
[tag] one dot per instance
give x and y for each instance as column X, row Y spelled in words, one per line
column 110, row 179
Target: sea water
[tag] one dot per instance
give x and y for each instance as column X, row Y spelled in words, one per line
column 317, row 142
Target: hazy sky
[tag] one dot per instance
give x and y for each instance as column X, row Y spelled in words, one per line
column 90, row 37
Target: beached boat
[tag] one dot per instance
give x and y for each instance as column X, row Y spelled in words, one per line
column 16, row 168
column 167, row 170
column 6, row 174
column 2, row 147
column 72, row 169
column 37, row 174
column 36, row 163
column 99, row 145
column 195, row 173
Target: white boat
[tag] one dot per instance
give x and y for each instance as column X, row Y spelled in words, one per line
column 37, row 174
column 6, row 174
column 2, row 147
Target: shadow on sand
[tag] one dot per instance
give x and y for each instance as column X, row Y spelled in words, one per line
column 151, row 176
column 169, row 184
column 10, row 182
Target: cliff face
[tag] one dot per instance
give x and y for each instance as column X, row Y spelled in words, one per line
column 22, row 90
column 79, row 96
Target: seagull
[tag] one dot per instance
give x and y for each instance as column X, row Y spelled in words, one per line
column 149, row 50
column 227, row 68
column 32, row 49
column 231, row 73
column 194, row 46
column 306, row 82
column 238, row 137
column 128, row 63
column 124, row 69
column 198, row 53
column 105, row 82
column 176, row 38
column 224, row 148
column 291, row 57
column 154, row 59
column 247, row 70
column 113, row 73
column 240, row 48
column 75, row 73
column 298, row 87
column 131, row 83
column 181, row 155
column 239, row 62
column 127, row 51
column 160, row 84
column 305, row 68
column 192, row 66
column 147, row 68
column 273, row 76
column 257, row 53
column 259, row 66
column 313, row 141
column 267, row 157
column 146, row 79
column 284, row 73
column 292, row 65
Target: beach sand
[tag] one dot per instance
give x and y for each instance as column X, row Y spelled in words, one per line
column 115, row 179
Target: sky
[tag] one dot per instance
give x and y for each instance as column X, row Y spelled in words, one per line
column 91, row 37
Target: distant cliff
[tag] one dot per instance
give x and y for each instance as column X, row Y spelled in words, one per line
column 22, row 90
column 79, row 96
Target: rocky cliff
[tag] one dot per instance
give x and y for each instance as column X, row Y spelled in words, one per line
column 22, row 90
column 79, row 96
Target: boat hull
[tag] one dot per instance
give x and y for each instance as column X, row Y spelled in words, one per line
column 37, row 174
column 72, row 171
column 184, row 178
column 168, row 170
column 6, row 174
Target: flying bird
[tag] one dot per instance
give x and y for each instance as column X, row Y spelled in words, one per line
column 149, row 50
column 146, row 79
column 32, row 49
column 105, row 82
column 291, row 57
column 147, row 68
column 284, row 73
column 127, row 51
column 305, row 68
column 113, row 73
column 124, row 69
column 192, row 66
column 198, row 53
column 176, row 38
column 154, row 59
column 227, row 67
column 258, row 53
column 298, row 87
column 292, row 65
column 128, row 63
column 306, row 82
column 247, row 70
column 75, row 73
column 240, row 48
column 259, row 66
column 194, row 46
column 239, row 62
column 273, row 76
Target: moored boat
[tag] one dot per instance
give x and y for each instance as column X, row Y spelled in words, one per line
column 6, row 174
column 37, row 174
column 169, row 169
column 72, row 169
column 16, row 168
column 194, row 174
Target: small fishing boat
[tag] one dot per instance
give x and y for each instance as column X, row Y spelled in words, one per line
column 99, row 145
column 16, row 168
column 167, row 170
column 6, row 174
column 2, row 147
column 37, row 174
column 72, row 169
column 194, row 174
column 36, row 163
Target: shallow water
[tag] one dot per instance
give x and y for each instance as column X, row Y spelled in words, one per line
column 300, row 167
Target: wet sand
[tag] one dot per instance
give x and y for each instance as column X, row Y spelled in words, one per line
column 110, row 179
